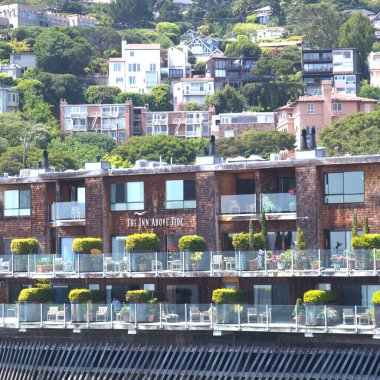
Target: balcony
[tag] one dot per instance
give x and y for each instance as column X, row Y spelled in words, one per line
column 238, row 204
column 71, row 212
column 315, row 319
column 288, row 263
column 278, row 203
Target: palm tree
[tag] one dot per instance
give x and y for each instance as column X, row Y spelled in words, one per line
column 241, row 8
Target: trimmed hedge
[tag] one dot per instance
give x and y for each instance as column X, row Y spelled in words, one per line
column 366, row 241
column 39, row 295
column 142, row 243
column 97, row 296
column 241, row 241
column 229, row 295
column 192, row 243
column 87, row 245
column 80, row 295
column 138, row 296
column 376, row 298
column 320, row 296
column 24, row 246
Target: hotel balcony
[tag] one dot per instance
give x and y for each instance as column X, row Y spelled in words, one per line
column 68, row 213
column 219, row 318
column 239, row 263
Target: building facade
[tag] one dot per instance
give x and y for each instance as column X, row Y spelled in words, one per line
column 211, row 199
column 374, row 68
column 340, row 66
column 9, row 100
column 318, row 111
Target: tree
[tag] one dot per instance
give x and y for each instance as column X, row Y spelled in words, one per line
column 369, row 91
column 264, row 227
column 169, row 12
column 6, row 80
column 366, row 229
column 161, row 99
column 58, row 52
column 101, row 94
column 116, row 161
column 168, row 27
column 103, row 142
column 357, row 32
column 319, row 24
column 242, row 46
column 138, row 100
column 226, row 100
column 357, row 134
column 241, row 8
column 300, row 239
column 354, row 224
column 131, row 13
column 273, row 68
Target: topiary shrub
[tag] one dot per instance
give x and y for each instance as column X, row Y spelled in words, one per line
column 80, row 295
column 376, row 298
column 192, row 243
column 24, row 246
column 259, row 241
column 87, row 245
column 138, row 296
column 39, row 295
column 240, row 241
column 320, row 296
column 142, row 243
column 366, row 241
column 97, row 296
column 229, row 295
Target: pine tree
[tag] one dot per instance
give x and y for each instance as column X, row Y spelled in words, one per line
column 264, row 228
column 300, row 240
column 355, row 224
column 366, row 229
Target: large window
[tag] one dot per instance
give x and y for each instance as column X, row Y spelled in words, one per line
column 346, row 187
column 17, row 203
column 127, row 196
column 180, row 194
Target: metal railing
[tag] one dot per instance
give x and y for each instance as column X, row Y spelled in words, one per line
column 217, row 317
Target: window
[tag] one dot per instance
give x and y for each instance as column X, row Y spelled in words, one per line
column 152, row 67
column 346, row 187
column 337, row 107
column 310, row 108
column 117, row 67
column 127, row 196
column 134, row 67
column 119, row 80
column 180, row 194
column 228, row 133
column 131, row 80
column 131, row 53
column 262, row 294
column 17, row 203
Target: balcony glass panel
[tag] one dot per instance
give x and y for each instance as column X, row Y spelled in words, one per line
column 68, row 211
column 279, row 202
column 238, row 204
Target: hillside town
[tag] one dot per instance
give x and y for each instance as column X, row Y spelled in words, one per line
column 199, row 169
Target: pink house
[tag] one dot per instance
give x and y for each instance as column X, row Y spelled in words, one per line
column 319, row 111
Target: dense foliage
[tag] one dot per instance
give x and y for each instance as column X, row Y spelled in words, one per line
column 229, row 295
column 142, row 242
column 24, row 246
column 320, row 296
column 192, row 243
column 37, row 295
column 87, row 245
column 366, row 241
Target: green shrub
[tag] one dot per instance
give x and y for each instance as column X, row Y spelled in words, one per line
column 376, row 298
column 39, row 295
column 80, row 295
column 87, row 245
column 320, row 296
column 366, row 241
column 138, row 296
column 192, row 243
column 97, row 296
column 229, row 295
column 24, row 246
column 142, row 242
column 241, row 241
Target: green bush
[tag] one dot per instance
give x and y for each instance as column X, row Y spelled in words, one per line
column 142, row 242
column 87, row 245
column 229, row 295
column 24, row 246
column 366, row 241
column 80, row 295
column 138, row 296
column 192, row 243
column 97, row 296
column 241, row 241
column 376, row 298
column 320, row 296
column 39, row 295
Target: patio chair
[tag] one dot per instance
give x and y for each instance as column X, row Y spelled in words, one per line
column 252, row 313
column 102, row 313
column 108, row 264
column 156, row 265
column 266, row 317
column 234, row 207
column 4, row 265
column 364, row 318
column 194, row 313
column 348, row 315
column 217, row 262
column 175, row 264
column 52, row 313
column 167, row 316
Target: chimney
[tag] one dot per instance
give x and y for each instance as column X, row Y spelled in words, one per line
column 327, row 102
column 46, row 159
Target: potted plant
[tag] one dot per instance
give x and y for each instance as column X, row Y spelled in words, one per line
column 376, row 306
column 189, row 244
column 240, row 242
column 314, row 264
column 138, row 300
column 314, row 301
column 140, row 246
column 299, row 312
column 143, row 263
column 22, row 247
column 79, row 299
column 364, row 246
column 124, row 313
column 91, row 249
column 196, row 258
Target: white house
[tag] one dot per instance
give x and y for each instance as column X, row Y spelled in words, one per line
column 374, row 68
column 25, row 59
column 272, row 33
column 138, row 69
column 192, row 90
column 12, row 70
column 9, row 100
column 174, row 64
column 203, row 48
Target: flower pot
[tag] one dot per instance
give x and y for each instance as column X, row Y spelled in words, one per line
column 195, row 266
column 142, row 267
column 376, row 309
column 314, row 266
column 43, row 268
column 241, row 264
column 150, row 318
column 280, row 266
column 252, row 264
column 351, row 264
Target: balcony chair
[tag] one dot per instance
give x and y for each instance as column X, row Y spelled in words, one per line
column 252, row 313
column 108, row 264
column 266, row 317
column 52, row 313
column 167, row 316
column 233, row 207
column 364, row 318
column 102, row 313
column 194, row 313
column 124, row 265
column 4, row 265
column 230, row 263
column 348, row 315
column 175, row 265
column 75, row 213
column 156, row 265
column 217, row 262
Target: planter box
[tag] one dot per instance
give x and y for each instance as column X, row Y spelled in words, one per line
column 44, row 268
column 243, row 263
column 141, row 312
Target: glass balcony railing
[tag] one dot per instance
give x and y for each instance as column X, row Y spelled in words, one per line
column 306, row 318
column 68, row 211
column 279, row 202
column 238, row 204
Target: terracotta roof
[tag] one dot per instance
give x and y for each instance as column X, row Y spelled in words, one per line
column 203, row 79
column 335, row 97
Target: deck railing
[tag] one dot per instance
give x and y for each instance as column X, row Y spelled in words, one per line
column 313, row 319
